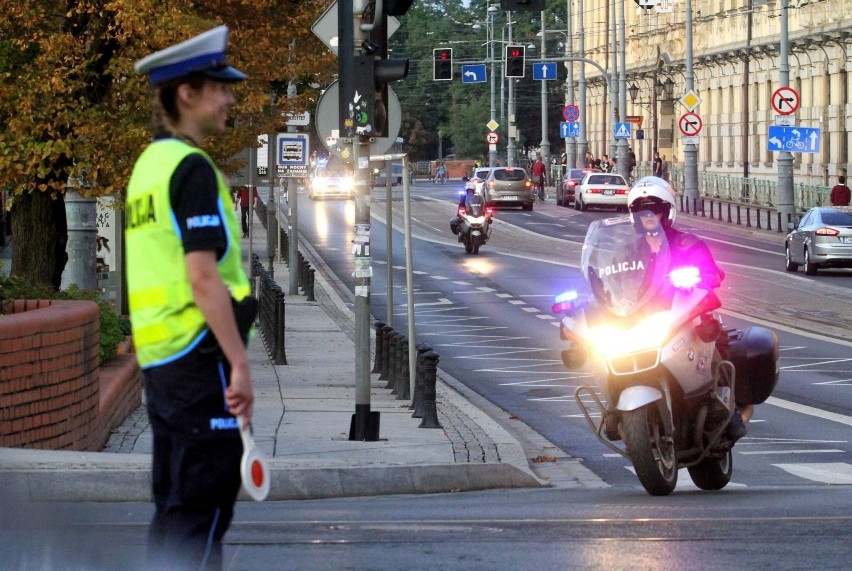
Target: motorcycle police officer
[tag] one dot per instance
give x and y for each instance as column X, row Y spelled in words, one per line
column 652, row 208
column 184, row 273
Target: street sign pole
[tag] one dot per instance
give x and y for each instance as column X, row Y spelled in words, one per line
column 623, row 166
column 785, row 158
column 690, row 159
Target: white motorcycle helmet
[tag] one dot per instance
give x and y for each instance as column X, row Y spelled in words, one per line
column 652, row 193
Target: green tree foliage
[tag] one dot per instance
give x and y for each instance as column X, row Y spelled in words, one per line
column 461, row 110
column 72, row 106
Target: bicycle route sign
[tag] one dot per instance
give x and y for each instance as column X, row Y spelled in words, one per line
column 794, row 139
column 785, row 100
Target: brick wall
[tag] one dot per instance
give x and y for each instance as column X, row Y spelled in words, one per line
column 49, row 375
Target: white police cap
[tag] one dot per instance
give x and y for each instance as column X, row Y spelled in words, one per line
column 205, row 53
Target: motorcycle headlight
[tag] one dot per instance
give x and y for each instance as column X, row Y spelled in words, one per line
column 347, row 183
column 650, row 333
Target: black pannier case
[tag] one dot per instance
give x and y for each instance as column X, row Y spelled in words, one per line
column 754, row 353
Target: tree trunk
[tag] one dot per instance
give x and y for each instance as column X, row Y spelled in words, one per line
column 39, row 234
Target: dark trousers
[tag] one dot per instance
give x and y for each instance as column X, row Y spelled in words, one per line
column 244, row 216
column 196, row 464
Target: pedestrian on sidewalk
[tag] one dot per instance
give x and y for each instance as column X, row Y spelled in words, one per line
column 184, row 274
column 242, row 198
column 664, row 168
column 840, row 193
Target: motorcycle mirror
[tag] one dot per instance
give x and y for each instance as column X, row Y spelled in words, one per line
column 574, row 358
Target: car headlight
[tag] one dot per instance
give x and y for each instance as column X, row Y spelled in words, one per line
column 347, row 183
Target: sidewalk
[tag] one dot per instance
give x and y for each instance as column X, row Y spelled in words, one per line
column 301, row 421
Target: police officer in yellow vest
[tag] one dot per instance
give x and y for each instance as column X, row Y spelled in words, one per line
column 184, row 273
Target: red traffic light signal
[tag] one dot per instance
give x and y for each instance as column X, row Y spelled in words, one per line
column 515, row 61
column 442, row 69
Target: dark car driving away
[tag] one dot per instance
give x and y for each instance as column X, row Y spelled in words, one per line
column 566, row 190
column 821, row 239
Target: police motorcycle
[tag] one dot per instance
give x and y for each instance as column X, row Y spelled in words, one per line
column 472, row 224
column 662, row 387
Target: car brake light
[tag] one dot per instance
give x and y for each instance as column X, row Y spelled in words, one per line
column 594, row 191
column 620, row 191
column 572, row 183
column 489, row 212
column 527, row 183
column 827, row 232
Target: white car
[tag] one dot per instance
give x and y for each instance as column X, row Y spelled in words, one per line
column 331, row 182
column 602, row 189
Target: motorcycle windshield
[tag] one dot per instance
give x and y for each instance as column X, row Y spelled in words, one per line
column 475, row 206
column 625, row 265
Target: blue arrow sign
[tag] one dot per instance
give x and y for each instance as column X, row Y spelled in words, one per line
column 794, row 139
column 569, row 129
column 473, row 73
column 622, row 130
column 544, row 71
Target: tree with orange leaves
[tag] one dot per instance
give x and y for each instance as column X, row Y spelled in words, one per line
column 72, row 110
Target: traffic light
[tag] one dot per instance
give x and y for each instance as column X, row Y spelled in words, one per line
column 443, row 65
column 515, row 61
column 373, row 72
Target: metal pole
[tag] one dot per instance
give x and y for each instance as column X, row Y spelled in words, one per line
column 570, row 142
column 510, row 144
column 622, row 91
column 389, row 242
column 409, row 276
column 613, row 93
column 492, row 149
column 690, row 153
column 545, row 141
column 785, row 158
column 251, row 174
column 582, row 143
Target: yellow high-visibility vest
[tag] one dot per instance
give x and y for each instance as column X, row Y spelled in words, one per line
column 166, row 321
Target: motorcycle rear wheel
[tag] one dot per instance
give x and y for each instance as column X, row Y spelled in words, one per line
column 713, row 473
column 652, row 451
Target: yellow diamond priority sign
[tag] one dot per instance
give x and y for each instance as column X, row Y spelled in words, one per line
column 690, row 100
column 492, row 125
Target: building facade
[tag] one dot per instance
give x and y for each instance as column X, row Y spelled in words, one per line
column 736, row 65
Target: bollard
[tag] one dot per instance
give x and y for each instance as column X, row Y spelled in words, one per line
column 768, row 220
column 417, row 400
column 748, row 217
column 377, row 360
column 729, row 213
column 430, row 409
column 396, row 370
column 739, row 218
column 310, row 290
column 391, row 378
column 757, row 218
column 383, row 376
column 285, row 247
column 702, row 207
column 280, row 306
column 403, row 382
column 779, row 222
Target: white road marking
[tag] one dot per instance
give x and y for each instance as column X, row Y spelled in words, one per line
column 503, row 295
column 545, row 316
column 515, row 351
column 815, row 364
column 530, row 309
column 555, row 323
column 462, row 283
column 561, row 398
column 780, row 327
column 517, row 302
column 814, row 451
column 486, row 289
column 452, row 319
column 809, row 410
column 826, row 473
column 841, row 382
column 439, row 278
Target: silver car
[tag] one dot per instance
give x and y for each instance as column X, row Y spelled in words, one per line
column 821, row 239
column 508, row 186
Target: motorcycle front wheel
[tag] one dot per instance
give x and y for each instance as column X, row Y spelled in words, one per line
column 475, row 242
column 713, row 473
column 651, row 450
column 468, row 245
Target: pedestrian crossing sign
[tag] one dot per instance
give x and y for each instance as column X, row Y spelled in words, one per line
column 622, row 130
